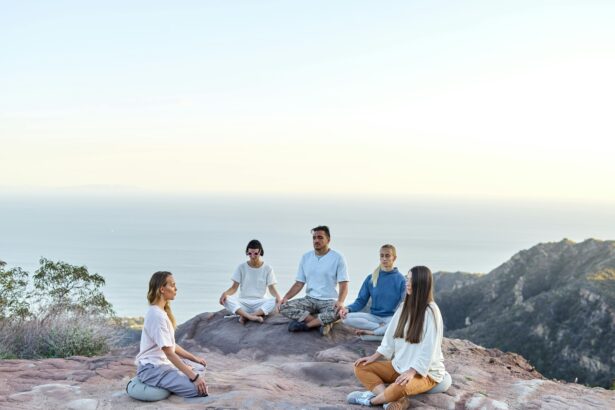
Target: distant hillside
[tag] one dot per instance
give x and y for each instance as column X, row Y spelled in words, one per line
column 447, row 281
column 554, row 304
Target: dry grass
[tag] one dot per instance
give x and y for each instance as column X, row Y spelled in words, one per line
column 60, row 335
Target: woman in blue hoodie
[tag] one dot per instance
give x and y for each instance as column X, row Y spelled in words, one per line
column 386, row 287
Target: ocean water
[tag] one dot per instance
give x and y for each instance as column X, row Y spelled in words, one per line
column 202, row 239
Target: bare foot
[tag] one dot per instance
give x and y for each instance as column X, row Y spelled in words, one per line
column 360, row 332
column 257, row 319
column 242, row 320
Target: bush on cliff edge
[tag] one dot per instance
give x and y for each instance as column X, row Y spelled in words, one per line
column 61, row 312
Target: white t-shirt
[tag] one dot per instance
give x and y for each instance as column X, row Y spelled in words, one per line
column 321, row 274
column 157, row 333
column 426, row 356
column 253, row 281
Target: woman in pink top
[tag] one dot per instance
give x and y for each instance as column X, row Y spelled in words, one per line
column 161, row 362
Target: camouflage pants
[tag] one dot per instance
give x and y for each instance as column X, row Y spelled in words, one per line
column 299, row 309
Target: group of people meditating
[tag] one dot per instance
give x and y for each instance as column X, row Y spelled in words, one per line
column 402, row 311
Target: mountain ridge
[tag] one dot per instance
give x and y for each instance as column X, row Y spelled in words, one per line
column 553, row 303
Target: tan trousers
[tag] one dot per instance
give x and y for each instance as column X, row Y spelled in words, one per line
column 378, row 373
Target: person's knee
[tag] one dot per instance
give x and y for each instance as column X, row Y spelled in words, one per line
column 182, row 386
column 188, row 392
column 380, row 331
column 231, row 309
column 352, row 320
column 362, row 371
column 327, row 317
column 325, row 320
column 177, row 382
column 288, row 312
column 418, row 385
column 268, row 307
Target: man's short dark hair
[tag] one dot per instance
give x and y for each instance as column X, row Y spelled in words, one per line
column 255, row 244
column 323, row 228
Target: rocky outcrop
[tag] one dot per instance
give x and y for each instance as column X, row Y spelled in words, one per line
column 265, row 367
column 448, row 281
column 553, row 303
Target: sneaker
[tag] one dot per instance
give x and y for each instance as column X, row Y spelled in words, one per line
column 325, row 329
column 296, row 326
column 401, row 404
column 360, row 397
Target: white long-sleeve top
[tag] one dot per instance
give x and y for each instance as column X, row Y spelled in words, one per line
column 426, row 356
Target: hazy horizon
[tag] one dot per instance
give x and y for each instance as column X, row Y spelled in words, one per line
column 202, row 239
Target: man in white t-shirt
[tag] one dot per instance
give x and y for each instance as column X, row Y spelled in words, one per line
column 321, row 271
column 253, row 278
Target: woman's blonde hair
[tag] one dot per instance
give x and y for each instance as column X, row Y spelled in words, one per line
column 376, row 272
column 158, row 280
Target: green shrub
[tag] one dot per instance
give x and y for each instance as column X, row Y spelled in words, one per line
column 61, row 313
column 14, row 303
column 61, row 287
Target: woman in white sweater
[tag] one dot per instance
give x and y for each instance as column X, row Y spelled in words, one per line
column 413, row 341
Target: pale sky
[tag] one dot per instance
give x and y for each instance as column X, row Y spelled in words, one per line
column 440, row 98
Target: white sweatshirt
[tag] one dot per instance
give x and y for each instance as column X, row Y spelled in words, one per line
column 426, row 356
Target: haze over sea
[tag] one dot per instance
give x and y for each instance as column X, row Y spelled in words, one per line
column 201, row 239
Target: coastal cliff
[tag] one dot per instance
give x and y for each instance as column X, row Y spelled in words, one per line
column 553, row 303
column 263, row 366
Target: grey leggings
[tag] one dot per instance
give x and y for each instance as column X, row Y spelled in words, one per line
column 367, row 321
column 168, row 377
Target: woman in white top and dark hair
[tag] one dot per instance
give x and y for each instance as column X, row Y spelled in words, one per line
column 160, row 361
column 414, row 341
column 252, row 278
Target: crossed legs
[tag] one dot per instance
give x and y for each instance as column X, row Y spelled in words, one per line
column 374, row 376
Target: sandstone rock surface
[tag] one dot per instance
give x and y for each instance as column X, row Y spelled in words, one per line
column 264, row 367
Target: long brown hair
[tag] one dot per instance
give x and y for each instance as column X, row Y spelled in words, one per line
column 158, row 280
column 415, row 305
